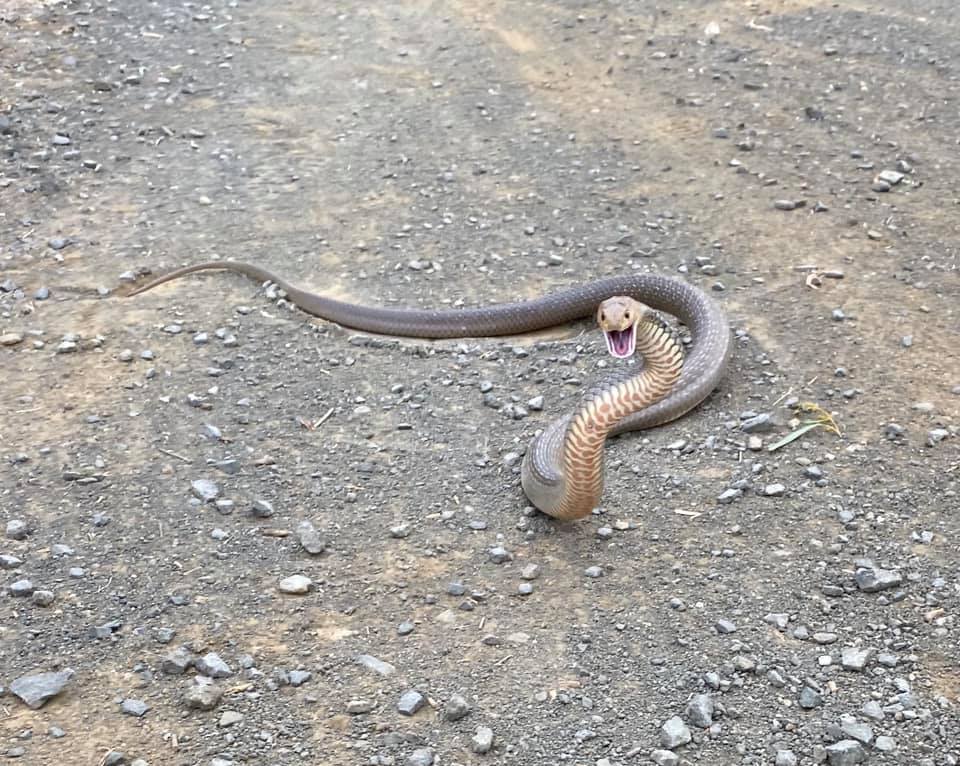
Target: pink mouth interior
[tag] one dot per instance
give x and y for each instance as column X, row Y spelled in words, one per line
column 620, row 343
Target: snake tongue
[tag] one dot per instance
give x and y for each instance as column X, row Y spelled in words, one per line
column 621, row 343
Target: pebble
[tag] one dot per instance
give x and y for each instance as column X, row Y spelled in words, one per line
column 295, row 585
column 229, row 718
column 774, row 490
column 299, row 677
column 36, row 689
column 17, row 529
column 21, row 588
column 846, row 752
column 359, row 707
column 700, row 711
column 43, row 597
column 874, row 580
column 852, row 658
column 213, row 666
column 593, row 571
column 483, row 740
column 8, row 561
column 421, row 757
column 785, row 758
column 202, row 696
column 133, row 707
column 664, row 758
column 405, row 628
column 885, row 744
column 262, row 509
column 376, row 665
column 530, row 572
column 177, row 662
column 205, row 490
column 729, row 495
column 758, row 423
column 310, row 540
column 57, row 243
column 872, row 709
column 809, row 698
column 862, row 732
column 410, row 702
column 10, row 339
column 499, row 555
column 456, row 708
column 724, row 627
column 785, row 204
column 674, row 733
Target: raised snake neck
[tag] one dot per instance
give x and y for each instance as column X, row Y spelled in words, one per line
column 562, row 471
column 703, row 367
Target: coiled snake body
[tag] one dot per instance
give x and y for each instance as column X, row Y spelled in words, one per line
column 562, row 471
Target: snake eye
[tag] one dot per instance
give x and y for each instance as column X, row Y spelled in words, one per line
column 603, row 317
column 626, row 315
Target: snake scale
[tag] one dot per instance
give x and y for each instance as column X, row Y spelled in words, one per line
column 562, row 470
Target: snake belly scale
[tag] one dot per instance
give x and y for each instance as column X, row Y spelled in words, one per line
column 654, row 396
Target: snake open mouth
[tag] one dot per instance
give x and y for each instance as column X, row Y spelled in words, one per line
column 621, row 343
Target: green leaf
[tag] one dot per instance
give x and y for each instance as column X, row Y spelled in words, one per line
column 793, row 435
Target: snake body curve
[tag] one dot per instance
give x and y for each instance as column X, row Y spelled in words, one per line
column 703, row 367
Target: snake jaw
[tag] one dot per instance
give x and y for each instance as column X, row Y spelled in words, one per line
column 621, row 343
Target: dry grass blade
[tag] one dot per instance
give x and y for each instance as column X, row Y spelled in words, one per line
column 820, row 419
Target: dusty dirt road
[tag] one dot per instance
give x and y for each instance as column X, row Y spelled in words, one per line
column 446, row 154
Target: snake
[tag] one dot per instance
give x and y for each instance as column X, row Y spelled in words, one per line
column 562, row 468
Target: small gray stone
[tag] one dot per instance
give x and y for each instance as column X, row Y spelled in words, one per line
column 872, row 710
column 780, row 620
column 724, row 627
column 211, row 665
column 376, row 665
column 846, row 752
column 593, row 571
column 229, row 718
column 700, row 711
column 421, row 757
column 664, row 758
column 262, row 509
column 810, row 698
column 785, row 758
column 57, row 243
column 758, row 423
column 202, row 696
column 862, row 732
column 853, row 658
column 410, row 702
column 456, row 708
column 205, row 490
column 17, row 529
column 499, row 555
column 875, row 579
column 43, row 597
column 311, row 540
column 21, row 588
column 674, row 733
column 885, row 744
column 295, row 585
column 176, row 662
column 359, row 707
column 299, row 677
column 530, row 572
column 483, row 740
column 405, row 628
column 35, row 690
column 135, row 708
column 774, row 490
column 729, row 495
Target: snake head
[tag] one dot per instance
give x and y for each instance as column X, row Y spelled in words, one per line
column 618, row 318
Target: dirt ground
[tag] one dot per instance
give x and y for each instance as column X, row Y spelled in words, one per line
column 440, row 154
